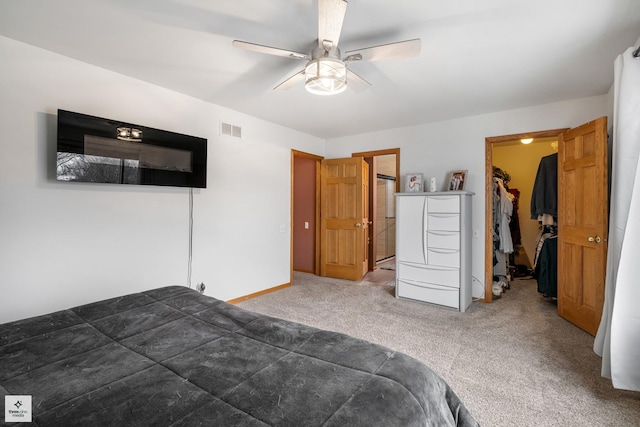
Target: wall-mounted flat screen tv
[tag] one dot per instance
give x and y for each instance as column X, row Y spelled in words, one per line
column 93, row 149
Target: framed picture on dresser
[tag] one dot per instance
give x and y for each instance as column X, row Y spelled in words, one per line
column 458, row 180
column 413, row 183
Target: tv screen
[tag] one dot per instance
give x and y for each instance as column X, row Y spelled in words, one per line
column 94, row 149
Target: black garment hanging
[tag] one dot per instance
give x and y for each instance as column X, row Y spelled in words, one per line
column 545, row 261
column 544, row 198
column 514, row 225
column 546, row 271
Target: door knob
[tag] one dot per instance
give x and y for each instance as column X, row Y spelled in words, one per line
column 596, row 239
column 358, row 225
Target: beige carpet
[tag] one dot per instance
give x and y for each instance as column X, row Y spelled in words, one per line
column 513, row 362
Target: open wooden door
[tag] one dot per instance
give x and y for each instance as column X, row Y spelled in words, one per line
column 344, row 218
column 582, row 223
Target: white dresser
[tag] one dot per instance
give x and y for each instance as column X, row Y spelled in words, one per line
column 433, row 247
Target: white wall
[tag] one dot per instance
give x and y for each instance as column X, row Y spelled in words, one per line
column 64, row 244
column 435, row 149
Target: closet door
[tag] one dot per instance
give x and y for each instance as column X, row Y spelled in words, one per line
column 582, row 223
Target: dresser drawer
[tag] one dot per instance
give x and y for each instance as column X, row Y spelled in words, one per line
column 435, row 294
column 438, row 275
column 443, row 204
column 443, row 239
column 443, row 222
column 443, row 257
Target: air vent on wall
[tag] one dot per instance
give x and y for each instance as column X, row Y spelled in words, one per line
column 230, row 130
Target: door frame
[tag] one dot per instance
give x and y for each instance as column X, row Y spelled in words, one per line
column 488, row 204
column 316, row 189
column 369, row 157
column 318, row 159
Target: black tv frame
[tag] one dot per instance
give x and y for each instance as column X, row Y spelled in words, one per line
column 187, row 168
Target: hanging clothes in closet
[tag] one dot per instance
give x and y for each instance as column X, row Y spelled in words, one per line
column 502, row 240
column 544, row 208
column 516, row 270
column 514, row 225
column 546, row 261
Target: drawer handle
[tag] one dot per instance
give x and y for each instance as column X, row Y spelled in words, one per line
column 444, row 251
column 438, row 268
column 433, row 286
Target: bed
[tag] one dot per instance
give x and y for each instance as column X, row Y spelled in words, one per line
column 172, row 356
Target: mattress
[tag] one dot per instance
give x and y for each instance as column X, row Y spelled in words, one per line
column 172, row 356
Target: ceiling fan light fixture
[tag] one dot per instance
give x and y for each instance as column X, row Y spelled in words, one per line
column 325, row 76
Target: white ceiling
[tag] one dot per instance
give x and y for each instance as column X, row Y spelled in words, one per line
column 477, row 56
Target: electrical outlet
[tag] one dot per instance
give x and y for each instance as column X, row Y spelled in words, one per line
column 283, row 228
column 200, row 287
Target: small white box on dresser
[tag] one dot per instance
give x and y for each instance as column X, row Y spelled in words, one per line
column 433, row 247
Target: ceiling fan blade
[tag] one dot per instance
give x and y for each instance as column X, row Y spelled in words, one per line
column 356, row 83
column 269, row 50
column 294, row 80
column 330, row 18
column 404, row 49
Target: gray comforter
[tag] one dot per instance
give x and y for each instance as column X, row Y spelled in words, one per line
column 172, row 356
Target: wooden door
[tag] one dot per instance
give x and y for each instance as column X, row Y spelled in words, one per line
column 305, row 212
column 344, row 218
column 582, row 223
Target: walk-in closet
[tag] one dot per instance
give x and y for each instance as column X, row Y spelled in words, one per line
column 524, row 232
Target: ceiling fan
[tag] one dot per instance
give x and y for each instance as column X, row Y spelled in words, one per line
column 326, row 72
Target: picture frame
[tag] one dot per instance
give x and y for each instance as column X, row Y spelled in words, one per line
column 413, row 183
column 458, row 180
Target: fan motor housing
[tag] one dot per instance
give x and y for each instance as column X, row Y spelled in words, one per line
column 320, row 52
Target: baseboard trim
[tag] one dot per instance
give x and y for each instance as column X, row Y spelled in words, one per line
column 257, row 294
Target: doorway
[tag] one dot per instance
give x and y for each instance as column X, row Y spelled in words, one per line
column 384, row 182
column 580, row 204
column 490, row 144
column 305, row 212
column 305, row 207
column 518, row 164
column 385, row 224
